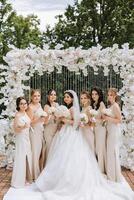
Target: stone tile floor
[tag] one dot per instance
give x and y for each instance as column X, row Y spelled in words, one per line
column 5, row 178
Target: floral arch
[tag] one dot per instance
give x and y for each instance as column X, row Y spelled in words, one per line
column 23, row 63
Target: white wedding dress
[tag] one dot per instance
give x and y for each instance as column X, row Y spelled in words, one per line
column 71, row 172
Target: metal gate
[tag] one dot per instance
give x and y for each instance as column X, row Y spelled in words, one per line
column 70, row 80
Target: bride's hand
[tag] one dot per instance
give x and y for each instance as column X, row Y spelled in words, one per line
column 64, row 120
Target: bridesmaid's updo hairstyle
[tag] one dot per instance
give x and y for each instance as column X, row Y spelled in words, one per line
column 48, row 94
column 100, row 94
column 71, row 104
column 18, row 100
column 114, row 91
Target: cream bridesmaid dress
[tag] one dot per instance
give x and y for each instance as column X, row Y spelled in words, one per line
column 36, row 137
column 100, row 143
column 22, row 169
column 50, row 130
column 88, row 131
column 113, row 141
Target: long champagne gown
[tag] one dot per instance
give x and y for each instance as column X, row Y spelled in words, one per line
column 100, row 143
column 88, row 131
column 49, row 132
column 22, row 169
column 113, row 142
column 36, row 137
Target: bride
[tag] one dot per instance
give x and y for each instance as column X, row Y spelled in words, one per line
column 71, row 171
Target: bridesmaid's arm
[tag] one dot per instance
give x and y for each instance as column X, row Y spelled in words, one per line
column 46, row 108
column 118, row 118
column 102, row 107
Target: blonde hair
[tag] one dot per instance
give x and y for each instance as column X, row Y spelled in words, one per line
column 34, row 91
column 87, row 95
column 114, row 91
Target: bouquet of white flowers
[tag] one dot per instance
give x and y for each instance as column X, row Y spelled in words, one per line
column 106, row 112
column 43, row 114
column 83, row 119
column 62, row 111
column 93, row 114
column 22, row 121
column 51, row 110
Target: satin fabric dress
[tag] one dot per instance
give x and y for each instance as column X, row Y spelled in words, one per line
column 113, row 167
column 22, row 169
column 36, row 138
column 88, row 130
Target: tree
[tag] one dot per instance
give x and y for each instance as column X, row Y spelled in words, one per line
column 6, row 16
column 91, row 22
column 26, row 31
column 17, row 30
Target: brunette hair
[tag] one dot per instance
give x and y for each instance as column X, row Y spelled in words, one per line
column 48, row 94
column 71, row 104
column 18, row 100
column 100, row 94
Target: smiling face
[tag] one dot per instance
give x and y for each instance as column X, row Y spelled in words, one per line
column 95, row 96
column 23, row 105
column 36, row 97
column 52, row 96
column 68, row 99
column 111, row 97
column 84, row 100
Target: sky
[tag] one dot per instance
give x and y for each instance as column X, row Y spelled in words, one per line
column 46, row 10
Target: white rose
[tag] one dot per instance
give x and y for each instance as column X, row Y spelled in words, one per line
column 93, row 112
column 107, row 112
column 51, row 110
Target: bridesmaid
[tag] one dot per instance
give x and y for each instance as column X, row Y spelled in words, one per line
column 22, row 170
column 114, row 133
column 100, row 131
column 35, row 113
column 85, row 100
column 50, row 124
